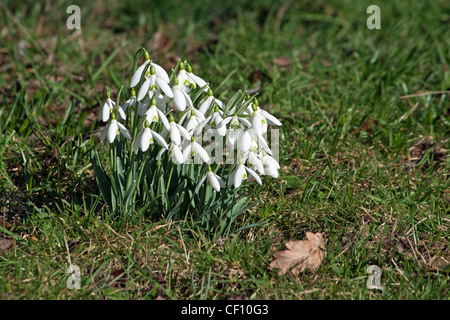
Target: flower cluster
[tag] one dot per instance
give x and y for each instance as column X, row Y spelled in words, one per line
column 179, row 112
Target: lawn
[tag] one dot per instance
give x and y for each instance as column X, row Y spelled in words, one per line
column 363, row 149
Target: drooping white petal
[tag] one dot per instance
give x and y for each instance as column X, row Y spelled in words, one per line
column 145, row 140
column 225, row 121
column 184, row 132
column 271, row 170
column 258, row 123
column 188, row 99
column 137, row 141
column 239, row 176
column 124, row 131
column 112, row 131
column 179, row 99
column 175, row 135
column 164, row 87
column 204, row 106
column 161, row 73
column 244, row 141
column 221, row 182
column 268, row 160
column 233, row 135
column 177, row 154
column 199, row 81
column 212, row 179
column 122, row 114
column 137, row 75
column 246, row 122
column 163, row 118
column 253, row 174
column 198, row 149
column 104, row 112
column 270, row 117
column 160, row 140
column 187, row 153
column 104, row 133
column 143, row 90
column 254, row 160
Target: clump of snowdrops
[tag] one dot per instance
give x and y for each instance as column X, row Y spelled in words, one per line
column 176, row 150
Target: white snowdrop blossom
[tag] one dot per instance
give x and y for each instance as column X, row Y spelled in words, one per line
column 177, row 131
column 146, row 138
column 194, row 148
column 181, row 99
column 210, row 102
column 214, row 180
column 111, row 130
column 132, row 103
column 108, row 108
column 215, row 121
column 154, row 85
column 198, row 81
column 160, row 72
column 241, row 173
column 175, row 153
column 153, row 114
column 184, row 80
column 271, row 166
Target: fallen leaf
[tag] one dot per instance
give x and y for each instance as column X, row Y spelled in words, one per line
column 282, row 61
column 6, row 245
column 368, row 125
column 301, row 255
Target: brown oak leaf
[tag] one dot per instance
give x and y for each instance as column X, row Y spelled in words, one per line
column 301, row 255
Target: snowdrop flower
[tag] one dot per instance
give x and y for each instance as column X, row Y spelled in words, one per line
column 108, row 108
column 111, row 130
column 236, row 122
column 145, row 139
column 260, row 118
column 214, row 180
column 194, row 122
column 153, row 114
column 215, row 120
column 176, row 131
column 180, row 98
column 185, row 81
column 210, row 101
column 198, row 81
column 271, row 166
column 195, row 149
column 255, row 160
column 188, row 80
column 241, row 173
column 132, row 103
column 175, row 153
column 237, row 125
column 160, row 72
column 154, row 84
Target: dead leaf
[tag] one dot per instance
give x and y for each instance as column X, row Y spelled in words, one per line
column 6, row 245
column 301, row 255
column 368, row 125
column 282, row 61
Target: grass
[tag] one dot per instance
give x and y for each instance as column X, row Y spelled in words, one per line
column 363, row 149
